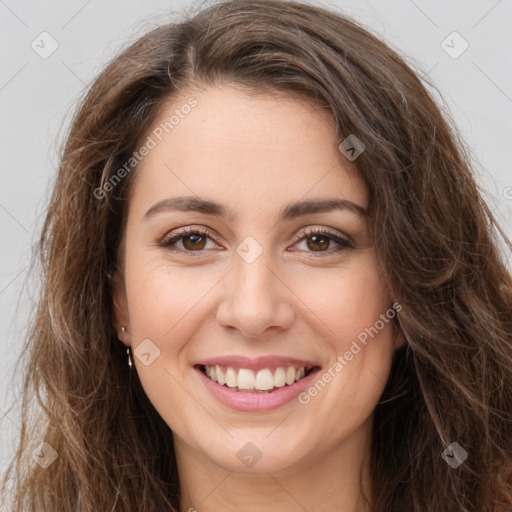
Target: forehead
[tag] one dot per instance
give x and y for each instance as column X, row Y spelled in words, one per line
column 249, row 151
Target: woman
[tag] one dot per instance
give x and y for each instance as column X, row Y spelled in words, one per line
column 270, row 282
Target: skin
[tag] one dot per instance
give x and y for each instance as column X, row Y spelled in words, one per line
column 255, row 154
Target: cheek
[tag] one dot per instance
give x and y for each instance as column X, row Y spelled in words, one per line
column 346, row 301
column 162, row 301
column 356, row 318
column 164, row 307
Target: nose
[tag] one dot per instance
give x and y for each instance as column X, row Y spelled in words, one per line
column 255, row 300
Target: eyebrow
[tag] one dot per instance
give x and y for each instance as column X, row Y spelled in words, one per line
column 291, row 211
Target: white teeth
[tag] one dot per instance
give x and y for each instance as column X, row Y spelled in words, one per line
column 279, row 377
column 300, row 374
column 221, row 379
column 264, row 380
column 290, row 375
column 231, row 377
column 246, row 379
column 253, row 381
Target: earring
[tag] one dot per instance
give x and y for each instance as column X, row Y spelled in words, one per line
column 123, row 328
column 130, row 362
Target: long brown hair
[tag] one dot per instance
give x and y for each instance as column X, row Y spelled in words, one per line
column 436, row 242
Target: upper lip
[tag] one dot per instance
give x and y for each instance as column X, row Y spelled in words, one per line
column 258, row 363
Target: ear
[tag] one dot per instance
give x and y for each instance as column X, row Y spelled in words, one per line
column 399, row 338
column 120, row 316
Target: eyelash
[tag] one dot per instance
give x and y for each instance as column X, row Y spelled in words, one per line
column 343, row 243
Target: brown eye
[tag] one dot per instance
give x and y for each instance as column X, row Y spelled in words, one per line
column 194, row 242
column 318, row 242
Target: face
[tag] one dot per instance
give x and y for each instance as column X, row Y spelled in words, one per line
column 254, row 308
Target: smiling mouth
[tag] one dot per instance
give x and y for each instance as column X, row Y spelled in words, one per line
column 246, row 380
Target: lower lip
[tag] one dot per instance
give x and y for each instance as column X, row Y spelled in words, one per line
column 253, row 402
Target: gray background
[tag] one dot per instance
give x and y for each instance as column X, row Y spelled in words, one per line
column 37, row 96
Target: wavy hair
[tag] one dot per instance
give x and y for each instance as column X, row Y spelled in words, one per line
column 436, row 241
